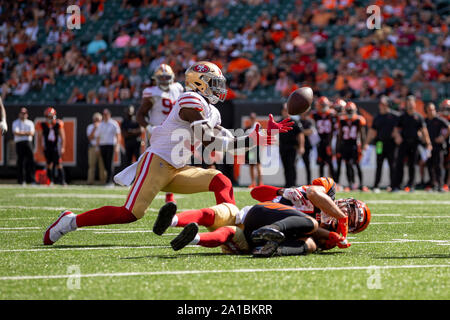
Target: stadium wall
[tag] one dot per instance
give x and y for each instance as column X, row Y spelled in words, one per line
column 78, row 116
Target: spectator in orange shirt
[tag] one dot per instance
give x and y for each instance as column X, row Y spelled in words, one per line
column 387, row 78
column 239, row 64
column 388, row 50
column 367, row 49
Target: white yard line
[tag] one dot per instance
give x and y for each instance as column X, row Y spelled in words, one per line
column 400, row 241
column 29, row 218
column 36, row 208
column 84, row 248
column 83, row 195
column 423, row 217
column 183, row 272
column 422, row 202
column 373, row 223
column 21, row 228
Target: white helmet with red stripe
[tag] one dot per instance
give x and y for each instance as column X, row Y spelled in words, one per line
column 164, row 76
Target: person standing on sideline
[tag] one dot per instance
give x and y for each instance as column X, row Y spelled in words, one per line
column 3, row 124
column 307, row 126
column 253, row 159
column 23, row 130
column 108, row 138
column 131, row 132
column 94, row 158
column 382, row 131
column 439, row 130
column 291, row 144
column 51, row 132
column 410, row 129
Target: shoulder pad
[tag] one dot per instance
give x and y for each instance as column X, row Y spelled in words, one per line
column 192, row 100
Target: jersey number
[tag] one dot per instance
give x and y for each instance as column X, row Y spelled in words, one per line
column 323, row 126
column 350, row 132
column 168, row 104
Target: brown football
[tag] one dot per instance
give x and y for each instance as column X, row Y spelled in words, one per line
column 300, row 100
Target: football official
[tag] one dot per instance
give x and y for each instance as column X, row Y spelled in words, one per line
column 291, row 143
column 438, row 129
column 94, row 157
column 381, row 133
column 410, row 129
column 108, row 137
column 23, row 130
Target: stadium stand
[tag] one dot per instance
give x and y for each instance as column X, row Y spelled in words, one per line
column 318, row 43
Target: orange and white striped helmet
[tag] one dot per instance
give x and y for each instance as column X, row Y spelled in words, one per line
column 358, row 214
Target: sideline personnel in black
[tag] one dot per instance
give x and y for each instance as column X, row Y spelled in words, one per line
column 307, row 125
column 131, row 132
column 291, row 143
column 439, row 130
column 382, row 131
column 410, row 129
column 23, row 130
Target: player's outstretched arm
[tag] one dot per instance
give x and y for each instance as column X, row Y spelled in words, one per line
column 223, row 142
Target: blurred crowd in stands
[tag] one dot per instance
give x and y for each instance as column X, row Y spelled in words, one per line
column 294, row 50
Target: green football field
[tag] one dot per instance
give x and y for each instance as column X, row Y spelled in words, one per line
column 404, row 254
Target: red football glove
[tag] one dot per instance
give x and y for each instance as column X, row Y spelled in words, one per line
column 343, row 244
column 334, row 240
column 342, row 227
column 282, row 126
column 264, row 193
column 259, row 139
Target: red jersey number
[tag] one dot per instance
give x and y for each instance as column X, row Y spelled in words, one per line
column 167, row 104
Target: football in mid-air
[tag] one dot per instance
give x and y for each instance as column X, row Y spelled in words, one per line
column 300, row 100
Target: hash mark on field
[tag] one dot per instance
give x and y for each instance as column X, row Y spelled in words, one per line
column 183, row 272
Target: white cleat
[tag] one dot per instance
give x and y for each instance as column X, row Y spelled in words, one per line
column 60, row 227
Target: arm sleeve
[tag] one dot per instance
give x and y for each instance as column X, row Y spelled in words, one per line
column 264, row 193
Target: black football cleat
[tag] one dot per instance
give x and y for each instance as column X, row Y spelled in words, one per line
column 267, row 234
column 266, row 251
column 164, row 218
column 185, row 237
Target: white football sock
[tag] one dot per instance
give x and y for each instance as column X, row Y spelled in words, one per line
column 196, row 239
column 174, row 221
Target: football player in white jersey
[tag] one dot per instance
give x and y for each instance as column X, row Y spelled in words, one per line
column 164, row 165
column 157, row 102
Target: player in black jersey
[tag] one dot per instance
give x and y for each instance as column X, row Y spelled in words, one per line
column 325, row 119
column 350, row 139
column 52, row 134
